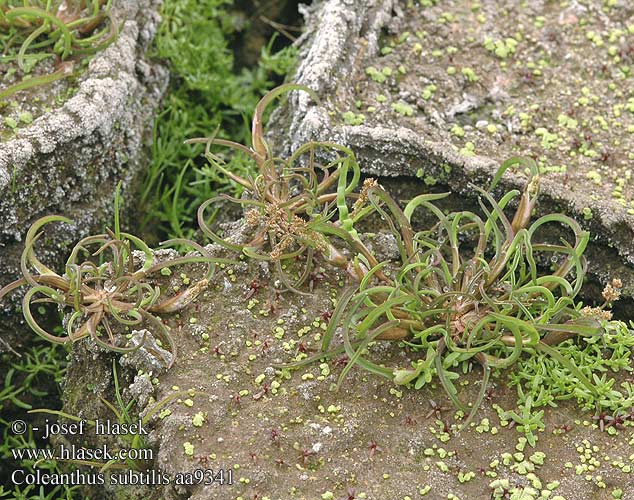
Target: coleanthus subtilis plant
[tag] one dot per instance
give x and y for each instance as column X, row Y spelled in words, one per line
column 34, row 30
column 292, row 202
column 470, row 288
column 109, row 287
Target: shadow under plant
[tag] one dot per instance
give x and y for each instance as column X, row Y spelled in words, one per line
column 463, row 292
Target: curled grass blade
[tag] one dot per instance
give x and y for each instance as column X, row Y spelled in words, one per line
column 28, row 255
column 45, row 17
column 28, row 315
column 257, row 133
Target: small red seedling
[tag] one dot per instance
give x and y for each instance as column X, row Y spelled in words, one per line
column 373, row 447
column 254, row 287
column 275, row 435
column 436, row 410
column 305, row 455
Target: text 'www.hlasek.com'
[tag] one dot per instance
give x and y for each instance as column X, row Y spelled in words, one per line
column 112, row 464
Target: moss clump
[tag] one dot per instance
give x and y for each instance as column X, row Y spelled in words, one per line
column 403, row 109
column 351, row 118
column 207, row 96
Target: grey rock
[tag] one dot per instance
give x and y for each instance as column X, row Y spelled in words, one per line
column 141, row 389
column 150, row 357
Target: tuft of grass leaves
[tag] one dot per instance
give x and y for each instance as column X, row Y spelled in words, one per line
column 482, row 287
column 469, row 289
column 292, row 202
column 476, row 287
column 67, row 30
column 105, row 284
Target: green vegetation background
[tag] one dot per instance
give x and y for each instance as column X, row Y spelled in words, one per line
column 209, row 95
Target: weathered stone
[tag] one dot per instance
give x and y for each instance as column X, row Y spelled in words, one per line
column 70, row 158
column 403, row 131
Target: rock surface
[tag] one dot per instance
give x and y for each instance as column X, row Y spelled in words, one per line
column 424, row 92
column 70, row 158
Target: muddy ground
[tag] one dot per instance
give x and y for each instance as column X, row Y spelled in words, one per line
column 289, row 435
column 551, row 80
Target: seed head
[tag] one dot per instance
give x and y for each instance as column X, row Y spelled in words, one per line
column 284, row 243
column 253, row 217
column 612, row 291
column 596, row 312
column 368, row 184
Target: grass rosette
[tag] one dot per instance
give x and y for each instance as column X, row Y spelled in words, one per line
column 105, row 289
column 469, row 288
column 295, row 205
